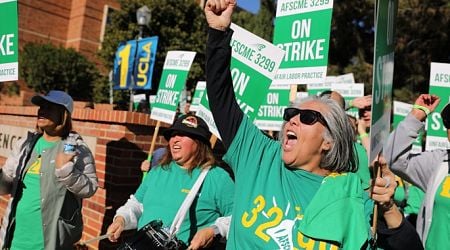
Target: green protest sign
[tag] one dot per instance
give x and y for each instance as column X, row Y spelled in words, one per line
column 401, row 110
column 270, row 114
column 349, row 91
column 300, row 95
column 302, row 30
column 198, row 94
column 254, row 63
column 175, row 71
column 317, row 88
column 138, row 99
column 345, row 78
column 440, row 86
column 383, row 74
column 9, row 66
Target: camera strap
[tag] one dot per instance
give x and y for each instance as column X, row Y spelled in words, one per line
column 179, row 217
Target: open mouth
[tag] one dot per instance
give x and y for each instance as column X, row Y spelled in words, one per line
column 290, row 140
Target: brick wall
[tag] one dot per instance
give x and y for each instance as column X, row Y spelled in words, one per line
column 69, row 23
column 122, row 142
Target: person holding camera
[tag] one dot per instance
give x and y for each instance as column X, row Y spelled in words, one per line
column 167, row 185
column 47, row 175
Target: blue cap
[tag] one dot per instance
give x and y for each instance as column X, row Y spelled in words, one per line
column 56, row 97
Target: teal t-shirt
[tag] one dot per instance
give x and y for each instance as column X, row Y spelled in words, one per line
column 163, row 191
column 28, row 233
column 363, row 165
column 272, row 199
column 415, row 199
column 412, row 201
column 438, row 236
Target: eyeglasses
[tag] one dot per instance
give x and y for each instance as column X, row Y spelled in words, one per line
column 307, row 116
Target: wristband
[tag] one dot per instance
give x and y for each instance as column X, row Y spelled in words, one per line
column 424, row 109
column 363, row 135
column 350, row 103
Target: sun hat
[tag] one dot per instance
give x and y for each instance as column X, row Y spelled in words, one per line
column 191, row 126
column 55, row 96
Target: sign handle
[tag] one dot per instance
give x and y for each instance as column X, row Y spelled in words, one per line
column 213, row 141
column 152, row 146
column 293, row 93
column 377, row 173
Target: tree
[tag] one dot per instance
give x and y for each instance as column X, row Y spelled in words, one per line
column 45, row 67
column 351, row 41
column 422, row 30
column 179, row 24
column 260, row 24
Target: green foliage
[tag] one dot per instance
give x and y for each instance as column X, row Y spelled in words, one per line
column 351, row 41
column 260, row 24
column 422, row 30
column 45, row 67
column 180, row 25
column 101, row 93
column 10, row 88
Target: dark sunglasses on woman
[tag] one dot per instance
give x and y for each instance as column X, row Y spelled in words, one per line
column 307, row 116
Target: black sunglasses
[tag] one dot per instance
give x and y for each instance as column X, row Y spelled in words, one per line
column 307, row 116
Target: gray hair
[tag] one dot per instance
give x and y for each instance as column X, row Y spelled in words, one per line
column 341, row 156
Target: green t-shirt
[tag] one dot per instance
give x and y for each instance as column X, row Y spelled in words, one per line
column 363, row 165
column 163, row 191
column 28, row 233
column 399, row 194
column 413, row 200
column 272, row 200
column 438, row 236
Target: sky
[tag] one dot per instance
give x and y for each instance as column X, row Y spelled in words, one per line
column 250, row 5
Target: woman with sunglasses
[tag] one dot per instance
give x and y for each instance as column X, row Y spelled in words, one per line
column 294, row 193
column 429, row 170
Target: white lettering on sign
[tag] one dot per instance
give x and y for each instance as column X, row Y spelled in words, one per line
column 436, row 122
column 384, row 73
column 170, row 81
column 240, row 81
column 304, row 50
column 6, row 45
column 301, row 28
column 168, row 97
column 272, row 98
column 271, row 111
column 245, row 107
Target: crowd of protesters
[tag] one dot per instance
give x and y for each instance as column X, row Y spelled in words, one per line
column 312, row 188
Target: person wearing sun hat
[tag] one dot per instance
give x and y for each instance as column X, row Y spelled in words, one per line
column 46, row 184
column 163, row 190
column 429, row 171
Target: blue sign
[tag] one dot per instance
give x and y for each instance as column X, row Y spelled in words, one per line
column 133, row 64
